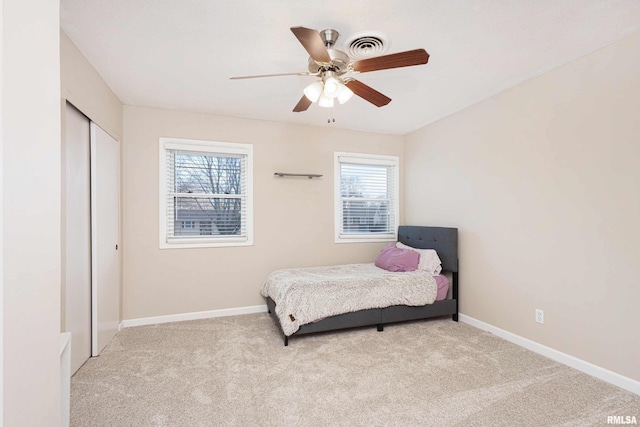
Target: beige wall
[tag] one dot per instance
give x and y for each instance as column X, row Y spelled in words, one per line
column 31, row 212
column 543, row 182
column 83, row 87
column 293, row 218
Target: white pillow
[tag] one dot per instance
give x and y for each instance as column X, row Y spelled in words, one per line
column 429, row 260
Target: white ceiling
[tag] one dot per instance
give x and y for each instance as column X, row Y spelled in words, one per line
column 180, row 54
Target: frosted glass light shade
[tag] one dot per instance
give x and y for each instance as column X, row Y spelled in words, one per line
column 325, row 101
column 313, row 91
column 332, row 87
column 344, row 95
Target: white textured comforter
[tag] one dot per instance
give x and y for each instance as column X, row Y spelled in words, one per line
column 303, row 295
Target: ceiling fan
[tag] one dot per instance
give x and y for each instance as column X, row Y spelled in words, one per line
column 332, row 65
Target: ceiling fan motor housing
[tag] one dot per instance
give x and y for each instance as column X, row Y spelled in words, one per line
column 339, row 63
column 339, row 59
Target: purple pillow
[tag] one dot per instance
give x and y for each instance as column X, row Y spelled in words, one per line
column 397, row 259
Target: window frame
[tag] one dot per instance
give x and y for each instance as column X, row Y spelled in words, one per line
column 365, row 159
column 214, row 147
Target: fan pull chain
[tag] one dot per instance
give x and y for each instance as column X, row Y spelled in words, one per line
column 331, row 115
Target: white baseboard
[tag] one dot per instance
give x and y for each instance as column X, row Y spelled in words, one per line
column 193, row 316
column 579, row 364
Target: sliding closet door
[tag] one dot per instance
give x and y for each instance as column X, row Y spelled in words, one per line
column 77, row 223
column 105, row 208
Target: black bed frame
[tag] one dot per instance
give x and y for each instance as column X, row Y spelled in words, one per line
column 445, row 242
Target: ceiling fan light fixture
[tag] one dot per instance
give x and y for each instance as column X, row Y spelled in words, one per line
column 325, row 102
column 344, row 95
column 313, row 91
column 332, row 87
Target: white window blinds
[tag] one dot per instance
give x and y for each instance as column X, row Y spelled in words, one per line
column 367, row 197
column 207, row 194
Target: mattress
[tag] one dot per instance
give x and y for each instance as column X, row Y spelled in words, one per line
column 304, row 295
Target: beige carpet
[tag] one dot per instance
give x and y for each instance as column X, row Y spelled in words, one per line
column 236, row 371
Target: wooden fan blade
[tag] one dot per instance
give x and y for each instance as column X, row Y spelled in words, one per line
column 368, row 93
column 304, row 73
column 395, row 60
column 302, row 105
column 312, row 42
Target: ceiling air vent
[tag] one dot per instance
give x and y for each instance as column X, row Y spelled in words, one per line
column 366, row 44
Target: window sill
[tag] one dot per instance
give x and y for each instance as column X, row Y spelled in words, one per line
column 191, row 245
column 362, row 239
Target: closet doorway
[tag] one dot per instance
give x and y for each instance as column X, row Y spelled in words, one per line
column 91, row 229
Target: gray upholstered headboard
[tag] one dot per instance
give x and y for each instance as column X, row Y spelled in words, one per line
column 443, row 240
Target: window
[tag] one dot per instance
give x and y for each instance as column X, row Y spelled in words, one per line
column 206, row 228
column 205, row 193
column 366, row 197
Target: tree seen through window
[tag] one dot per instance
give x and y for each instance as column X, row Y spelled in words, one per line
column 208, row 191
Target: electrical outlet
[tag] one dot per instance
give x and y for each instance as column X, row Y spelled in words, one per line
column 539, row 315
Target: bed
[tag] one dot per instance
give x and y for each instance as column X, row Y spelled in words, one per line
column 444, row 241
